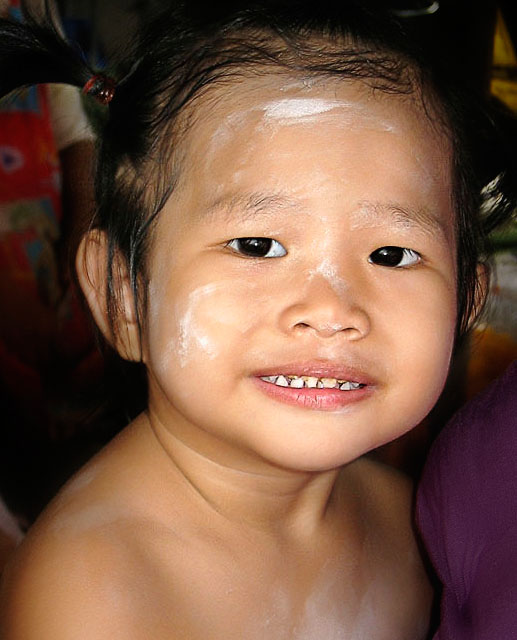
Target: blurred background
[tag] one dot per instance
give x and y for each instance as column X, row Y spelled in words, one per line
column 53, row 377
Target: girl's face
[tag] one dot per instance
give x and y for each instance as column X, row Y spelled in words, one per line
column 302, row 276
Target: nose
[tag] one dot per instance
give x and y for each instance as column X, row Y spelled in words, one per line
column 326, row 310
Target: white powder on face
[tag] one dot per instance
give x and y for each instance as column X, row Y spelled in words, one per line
column 201, row 322
column 285, row 111
column 353, row 115
column 298, row 108
column 368, row 216
column 190, row 333
column 328, row 270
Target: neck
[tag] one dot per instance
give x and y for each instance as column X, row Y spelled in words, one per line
column 251, row 493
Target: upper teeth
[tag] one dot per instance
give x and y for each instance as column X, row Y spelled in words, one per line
column 310, row 382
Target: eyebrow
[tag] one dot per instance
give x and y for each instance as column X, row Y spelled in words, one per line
column 401, row 217
column 251, row 206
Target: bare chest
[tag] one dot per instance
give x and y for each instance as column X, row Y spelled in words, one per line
column 347, row 597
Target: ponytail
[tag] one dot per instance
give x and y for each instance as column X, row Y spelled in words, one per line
column 34, row 52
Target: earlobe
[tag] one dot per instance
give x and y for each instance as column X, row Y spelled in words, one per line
column 121, row 330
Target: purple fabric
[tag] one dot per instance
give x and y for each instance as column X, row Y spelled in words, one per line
column 467, row 514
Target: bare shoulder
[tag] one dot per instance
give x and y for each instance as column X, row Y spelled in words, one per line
column 62, row 586
column 81, row 571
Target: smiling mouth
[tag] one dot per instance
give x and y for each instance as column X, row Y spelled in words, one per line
column 311, row 382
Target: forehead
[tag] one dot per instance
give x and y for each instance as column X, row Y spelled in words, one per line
column 282, row 134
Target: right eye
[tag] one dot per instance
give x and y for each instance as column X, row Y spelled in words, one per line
column 257, row 247
column 397, row 257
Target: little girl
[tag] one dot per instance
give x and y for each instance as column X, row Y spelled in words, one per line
column 287, row 239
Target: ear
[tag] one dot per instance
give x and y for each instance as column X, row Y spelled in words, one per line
column 92, row 272
column 483, row 283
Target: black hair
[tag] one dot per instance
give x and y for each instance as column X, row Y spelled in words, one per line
column 188, row 49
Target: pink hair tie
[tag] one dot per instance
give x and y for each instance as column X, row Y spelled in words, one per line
column 100, row 87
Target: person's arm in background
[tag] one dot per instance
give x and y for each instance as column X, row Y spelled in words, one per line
column 75, row 143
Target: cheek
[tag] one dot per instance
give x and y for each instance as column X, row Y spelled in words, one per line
column 434, row 327
column 427, row 330
column 209, row 323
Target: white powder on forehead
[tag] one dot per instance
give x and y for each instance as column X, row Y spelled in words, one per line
column 356, row 114
column 353, row 115
column 286, row 109
column 298, row 107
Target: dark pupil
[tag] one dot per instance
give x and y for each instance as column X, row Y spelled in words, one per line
column 388, row 256
column 255, row 246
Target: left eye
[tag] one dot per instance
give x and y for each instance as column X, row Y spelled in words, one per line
column 257, row 247
column 394, row 257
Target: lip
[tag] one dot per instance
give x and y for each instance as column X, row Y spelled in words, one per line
column 316, row 399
